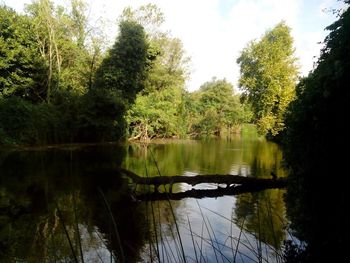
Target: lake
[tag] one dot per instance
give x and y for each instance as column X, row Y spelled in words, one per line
column 70, row 204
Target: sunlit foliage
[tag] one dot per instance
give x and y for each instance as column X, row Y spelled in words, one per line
column 268, row 77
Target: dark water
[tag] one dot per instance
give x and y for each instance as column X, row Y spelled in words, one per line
column 69, row 204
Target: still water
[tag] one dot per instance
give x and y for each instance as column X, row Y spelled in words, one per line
column 70, row 204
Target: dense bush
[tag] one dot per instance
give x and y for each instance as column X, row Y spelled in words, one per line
column 25, row 123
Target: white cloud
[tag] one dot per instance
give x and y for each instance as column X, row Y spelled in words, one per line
column 214, row 41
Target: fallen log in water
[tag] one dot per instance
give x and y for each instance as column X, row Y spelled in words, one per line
column 203, row 193
column 227, row 179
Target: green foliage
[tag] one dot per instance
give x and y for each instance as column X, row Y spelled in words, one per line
column 124, row 68
column 122, row 74
column 155, row 114
column 65, row 110
column 157, row 109
column 25, row 123
column 149, row 16
column 57, row 88
column 95, row 116
column 215, row 108
column 268, row 77
column 315, row 137
column 21, row 67
column 169, row 69
column 62, row 38
column 102, row 116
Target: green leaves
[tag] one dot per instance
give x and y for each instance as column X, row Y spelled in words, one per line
column 214, row 108
column 268, row 77
column 19, row 61
column 125, row 66
column 157, row 111
column 314, row 141
column 156, row 114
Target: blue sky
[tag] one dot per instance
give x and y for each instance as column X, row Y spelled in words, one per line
column 215, row 31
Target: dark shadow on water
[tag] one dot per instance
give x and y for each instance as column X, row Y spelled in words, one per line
column 45, row 193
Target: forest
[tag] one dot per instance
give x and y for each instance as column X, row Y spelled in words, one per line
column 61, row 81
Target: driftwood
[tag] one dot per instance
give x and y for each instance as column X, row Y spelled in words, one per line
column 227, row 179
column 138, row 136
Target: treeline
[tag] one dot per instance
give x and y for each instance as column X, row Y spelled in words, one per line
column 59, row 83
column 171, row 112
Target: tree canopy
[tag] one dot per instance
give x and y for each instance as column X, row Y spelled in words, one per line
column 268, row 75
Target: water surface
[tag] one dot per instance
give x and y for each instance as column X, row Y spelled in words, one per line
column 65, row 204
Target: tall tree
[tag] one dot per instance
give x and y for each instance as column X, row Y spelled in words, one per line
column 79, row 21
column 156, row 112
column 157, row 108
column 268, row 75
column 47, row 38
column 61, row 37
column 124, row 69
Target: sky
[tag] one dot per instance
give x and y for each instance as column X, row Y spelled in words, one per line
column 214, row 32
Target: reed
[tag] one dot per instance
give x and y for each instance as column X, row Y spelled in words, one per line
column 204, row 243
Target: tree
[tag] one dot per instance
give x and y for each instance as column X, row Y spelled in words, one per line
column 155, row 114
column 124, row 69
column 215, row 101
column 119, row 79
column 21, row 67
column 149, row 16
column 157, row 109
column 61, row 35
column 49, row 58
column 47, row 39
column 268, row 75
column 76, row 34
column 79, row 21
column 170, row 68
